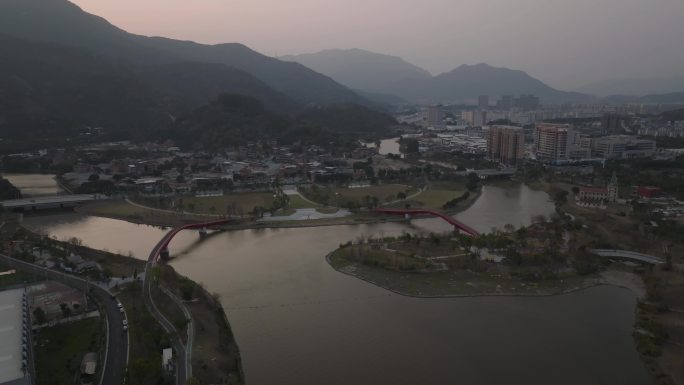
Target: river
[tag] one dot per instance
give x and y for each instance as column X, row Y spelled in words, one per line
column 34, row 184
column 298, row 321
column 387, row 146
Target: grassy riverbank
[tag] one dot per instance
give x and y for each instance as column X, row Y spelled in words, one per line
column 455, row 283
column 659, row 328
column 216, row 357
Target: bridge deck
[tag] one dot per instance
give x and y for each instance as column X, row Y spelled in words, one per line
column 164, row 242
column 452, row 221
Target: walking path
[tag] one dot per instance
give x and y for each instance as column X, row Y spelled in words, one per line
column 190, row 331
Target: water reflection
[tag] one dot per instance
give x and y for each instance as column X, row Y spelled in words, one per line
column 298, row 321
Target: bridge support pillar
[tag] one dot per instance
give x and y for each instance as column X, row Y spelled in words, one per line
column 164, row 253
column 203, row 232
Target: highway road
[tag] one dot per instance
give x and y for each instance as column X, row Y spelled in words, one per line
column 116, row 355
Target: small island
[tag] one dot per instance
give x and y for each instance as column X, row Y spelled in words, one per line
column 541, row 259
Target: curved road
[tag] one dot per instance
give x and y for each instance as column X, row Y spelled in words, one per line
column 116, row 354
column 183, row 361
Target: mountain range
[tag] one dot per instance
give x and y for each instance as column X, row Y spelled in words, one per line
column 379, row 74
column 360, row 69
column 61, row 22
column 635, row 87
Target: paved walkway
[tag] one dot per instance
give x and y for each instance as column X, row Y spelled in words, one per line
column 190, row 330
column 306, row 214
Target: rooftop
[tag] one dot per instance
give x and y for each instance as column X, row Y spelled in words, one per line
column 10, row 335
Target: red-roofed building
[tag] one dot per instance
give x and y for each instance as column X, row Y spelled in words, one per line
column 648, row 191
column 600, row 194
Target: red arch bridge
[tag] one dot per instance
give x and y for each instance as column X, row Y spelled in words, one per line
column 161, row 249
column 408, row 213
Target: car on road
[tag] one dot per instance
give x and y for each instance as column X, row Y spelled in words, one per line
column 125, row 322
column 125, row 328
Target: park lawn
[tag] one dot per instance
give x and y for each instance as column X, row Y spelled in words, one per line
column 297, row 202
column 384, row 193
column 60, row 348
column 436, row 198
column 115, row 208
column 244, row 202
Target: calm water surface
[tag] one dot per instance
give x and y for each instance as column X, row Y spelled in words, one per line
column 297, row 321
column 387, row 146
column 34, row 184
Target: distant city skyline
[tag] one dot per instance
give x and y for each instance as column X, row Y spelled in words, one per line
column 565, row 44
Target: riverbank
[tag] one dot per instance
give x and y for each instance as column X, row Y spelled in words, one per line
column 215, row 354
column 122, row 210
column 455, row 284
column 658, row 332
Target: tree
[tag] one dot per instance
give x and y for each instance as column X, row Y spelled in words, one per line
column 560, row 197
column 39, row 316
column 401, row 195
column 66, row 311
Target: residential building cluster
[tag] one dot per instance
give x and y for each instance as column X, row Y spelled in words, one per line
column 164, row 169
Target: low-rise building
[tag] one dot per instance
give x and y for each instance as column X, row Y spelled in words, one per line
column 623, row 147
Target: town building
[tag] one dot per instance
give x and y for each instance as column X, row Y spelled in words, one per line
column 623, row 147
column 611, row 123
column 526, row 102
column 434, row 116
column 505, row 103
column 475, row 118
column 608, row 194
column 15, row 328
column 483, row 102
column 506, row 145
column 553, row 142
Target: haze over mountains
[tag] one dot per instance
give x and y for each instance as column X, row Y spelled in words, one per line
column 384, row 74
column 62, row 69
column 360, row 69
column 635, row 87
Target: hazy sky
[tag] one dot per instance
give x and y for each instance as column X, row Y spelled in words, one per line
column 566, row 43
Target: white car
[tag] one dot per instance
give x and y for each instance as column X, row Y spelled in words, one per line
column 125, row 328
column 119, row 305
column 121, row 309
column 125, row 323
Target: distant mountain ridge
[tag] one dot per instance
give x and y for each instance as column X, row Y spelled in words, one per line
column 635, row 87
column 61, row 22
column 467, row 82
column 360, row 69
column 391, row 75
column 668, row 98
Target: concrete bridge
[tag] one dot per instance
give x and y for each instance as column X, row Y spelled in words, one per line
column 408, row 213
column 629, row 255
column 48, row 202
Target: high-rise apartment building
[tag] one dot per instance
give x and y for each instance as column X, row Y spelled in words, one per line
column 553, row 142
column 527, row 102
column 483, row 102
column 506, row 145
column 505, row 103
column 475, row 118
column 434, row 116
column 611, row 123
